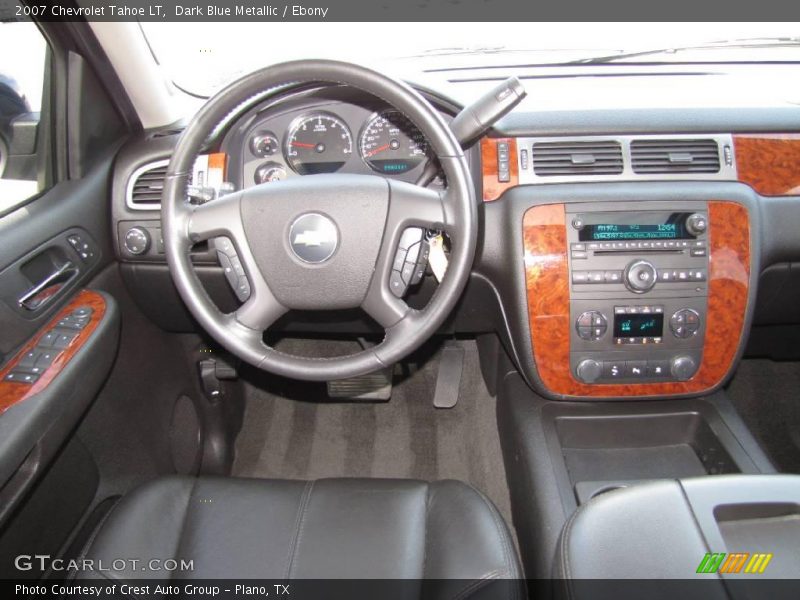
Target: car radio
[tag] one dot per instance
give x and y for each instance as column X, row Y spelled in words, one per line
column 638, row 293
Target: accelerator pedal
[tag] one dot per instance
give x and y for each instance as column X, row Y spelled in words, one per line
column 448, row 381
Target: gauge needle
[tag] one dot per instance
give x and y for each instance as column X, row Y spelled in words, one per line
column 381, row 149
column 303, row 145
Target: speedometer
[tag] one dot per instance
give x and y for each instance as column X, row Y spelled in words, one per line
column 318, row 143
column 391, row 143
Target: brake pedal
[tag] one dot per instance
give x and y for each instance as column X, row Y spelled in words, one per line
column 373, row 387
column 448, row 381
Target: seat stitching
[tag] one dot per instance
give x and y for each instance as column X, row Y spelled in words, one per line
column 183, row 522
column 482, row 581
column 90, row 542
column 425, row 530
column 298, row 527
column 565, row 553
column 501, row 533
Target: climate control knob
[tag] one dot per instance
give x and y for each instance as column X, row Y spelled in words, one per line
column 589, row 370
column 137, row 241
column 640, row 276
column 683, row 367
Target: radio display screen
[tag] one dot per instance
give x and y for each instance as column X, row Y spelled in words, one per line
column 638, row 325
column 619, row 232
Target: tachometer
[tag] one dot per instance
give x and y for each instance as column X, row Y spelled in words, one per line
column 318, row 143
column 391, row 143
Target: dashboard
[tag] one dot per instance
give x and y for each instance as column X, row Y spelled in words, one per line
column 560, row 294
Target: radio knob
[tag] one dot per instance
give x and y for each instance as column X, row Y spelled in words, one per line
column 696, row 224
column 589, row 370
column 640, row 276
column 137, row 240
column 683, row 367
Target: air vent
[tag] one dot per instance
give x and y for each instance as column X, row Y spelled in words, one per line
column 146, row 185
column 675, row 156
column 162, row 133
column 551, row 159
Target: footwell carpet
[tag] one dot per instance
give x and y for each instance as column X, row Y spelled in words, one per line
column 291, row 430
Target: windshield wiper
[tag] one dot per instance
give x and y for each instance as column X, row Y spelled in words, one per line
column 776, row 42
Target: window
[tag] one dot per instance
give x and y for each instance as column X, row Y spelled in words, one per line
column 23, row 52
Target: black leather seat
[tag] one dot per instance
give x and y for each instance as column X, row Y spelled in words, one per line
column 330, row 528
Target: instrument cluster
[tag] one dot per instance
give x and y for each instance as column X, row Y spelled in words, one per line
column 329, row 137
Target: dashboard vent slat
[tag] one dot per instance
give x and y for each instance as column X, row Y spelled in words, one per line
column 576, row 158
column 675, row 156
column 146, row 186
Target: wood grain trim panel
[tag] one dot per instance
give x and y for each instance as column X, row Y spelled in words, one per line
column 12, row 392
column 769, row 163
column 546, row 275
column 492, row 188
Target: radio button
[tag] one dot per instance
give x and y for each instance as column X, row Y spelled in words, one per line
column 597, row 277
column 579, row 247
column 580, row 277
column 613, row 276
column 640, row 276
column 579, row 254
column 696, row 224
column 697, row 252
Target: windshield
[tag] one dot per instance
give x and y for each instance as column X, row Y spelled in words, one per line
column 210, row 55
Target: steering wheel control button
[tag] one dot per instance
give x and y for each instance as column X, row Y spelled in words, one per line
column 313, row 238
column 684, row 323
column 232, row 267
column 397, row 285
column 640, row 276
column 410, row 260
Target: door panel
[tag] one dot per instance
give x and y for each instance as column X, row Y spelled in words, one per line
column 59, row 344
column 36, row 242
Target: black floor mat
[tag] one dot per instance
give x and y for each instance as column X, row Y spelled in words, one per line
column 767, row 395
column 295, row 432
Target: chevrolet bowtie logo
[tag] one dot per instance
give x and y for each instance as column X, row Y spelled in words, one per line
column 313, row 237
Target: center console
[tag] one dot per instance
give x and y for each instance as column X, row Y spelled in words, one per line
column 636, row 299
column 638, row 293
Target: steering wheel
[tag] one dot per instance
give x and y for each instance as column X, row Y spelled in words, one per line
column 352, row 223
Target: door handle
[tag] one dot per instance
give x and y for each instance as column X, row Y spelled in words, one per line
column 43, row 292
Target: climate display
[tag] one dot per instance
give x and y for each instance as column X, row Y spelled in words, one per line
column 631, row 326
column 616, row 232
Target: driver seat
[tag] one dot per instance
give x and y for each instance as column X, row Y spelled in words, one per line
column 330, row 528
